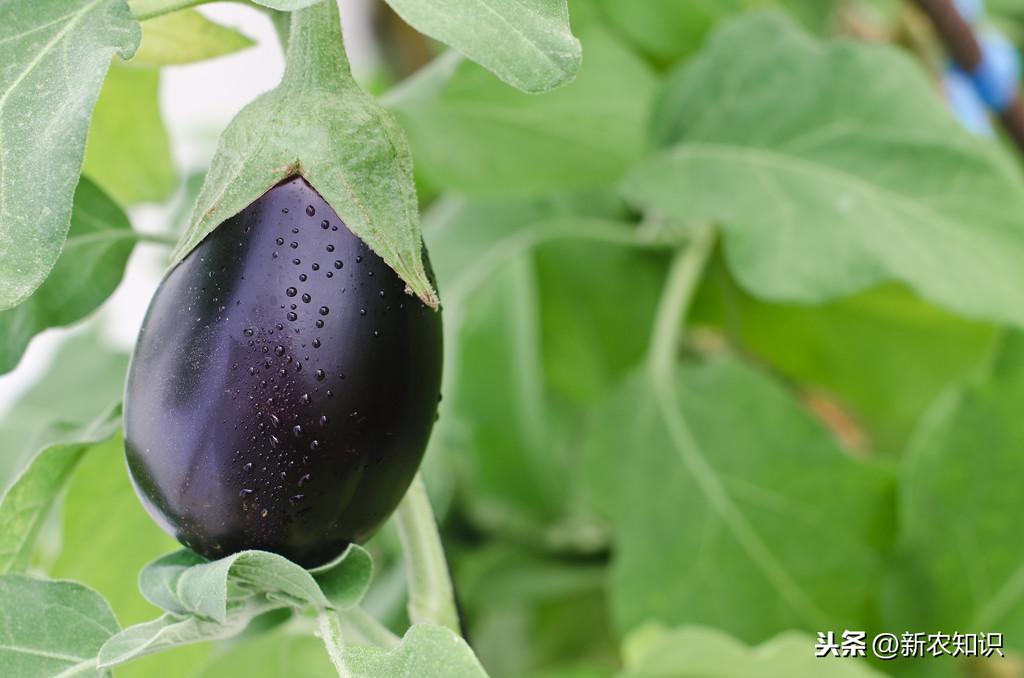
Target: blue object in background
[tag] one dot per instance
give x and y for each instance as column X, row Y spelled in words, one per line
column 967, row 105
column 970, row 10
column 997, row 76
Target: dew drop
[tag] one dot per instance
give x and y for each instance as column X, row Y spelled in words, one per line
column 295, row 499
column 323, row 420
column 279, row 350
column 275, row 421
column 324, row 310
column 245, row 492
column 274, row 441
column 315, row 445
column 359, row 259
column 325, row 224
column 303, row 277
column 248, row 332
column 297, row 430
column 247, row 467
column 338, row 264
column 304, row 399
column 310, row 210
column 292, row 316
column 319, row 323
column 316, row 343
column 303, row 480
column 330, row 274
column 320, row 375
column 330, row 248
column 306, row 298
column 315, row 267
column 264, row 513
column 362, row 311
column 280, row 241
column 285, row 210
column 296, row 261
column 294, row 245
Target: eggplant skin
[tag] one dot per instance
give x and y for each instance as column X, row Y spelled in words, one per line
column 283, row 387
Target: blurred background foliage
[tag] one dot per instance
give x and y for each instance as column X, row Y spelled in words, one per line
column 864, row 447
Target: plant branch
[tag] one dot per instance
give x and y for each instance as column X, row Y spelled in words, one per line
column 150, row 9
column 680, row 287
column 315, row 52
column 330, row 633
column 431, row 597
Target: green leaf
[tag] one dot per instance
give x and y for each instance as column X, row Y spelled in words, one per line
column 881, row 356
column 275, row 654
column 185, row 37
column 470, row 133
column 541, row 308
column 960, row 504
column 696, row 652
column 84, row 378
column 28, row 501
column 54, row 55
column 827, row 146
column 88, row 271
column 426, row 650
column 319, row 124
column 725, row 499
column 129, row 152
column 100, row 491
column 527, row 43
column 214, row 600
column 51, row 628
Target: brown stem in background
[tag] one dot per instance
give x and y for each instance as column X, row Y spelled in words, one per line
column 963, row 45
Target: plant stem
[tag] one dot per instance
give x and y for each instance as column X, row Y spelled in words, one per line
column 149, row 9
column 315, row 53
column 330, row 633
column 360, row 623
column 681, row 285
column 431, row 598
column 157, row 239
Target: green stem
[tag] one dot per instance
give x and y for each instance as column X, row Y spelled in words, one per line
column 315, row 54
column 157, row 239
column 680, row 287
column 330, row 632
column 149, row 9
column 360, row 624
column 431, row 597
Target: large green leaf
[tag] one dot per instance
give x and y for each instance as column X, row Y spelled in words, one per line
column 27, row 502
column 53, row 56
column 185, row 37
column 725, row 499
column 881, row 357
column 832, row 169
column 961, row 505
column 471, row 133
column 89, row 269
column 698, row 652
column 321, row 125
column 526, row 43
column 51, row 628
column 129, row 152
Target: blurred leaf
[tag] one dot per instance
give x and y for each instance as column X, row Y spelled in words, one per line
column 55, row 54
column 129, row 152
column 828, row 145
column 517, row 304
column 86, row 274
column 84, row 378
column 185, row 37
column 526, row 43
column 527, row 613
column 425, row 650
column 287, row 5
column 103, row 516
column 731, row 507
column 279, row 654
column 51, row 628
column 696, row 652
column 352, row 152
column 961, row 505
column 28, row 501
column 883, row 355
column 471, row 133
